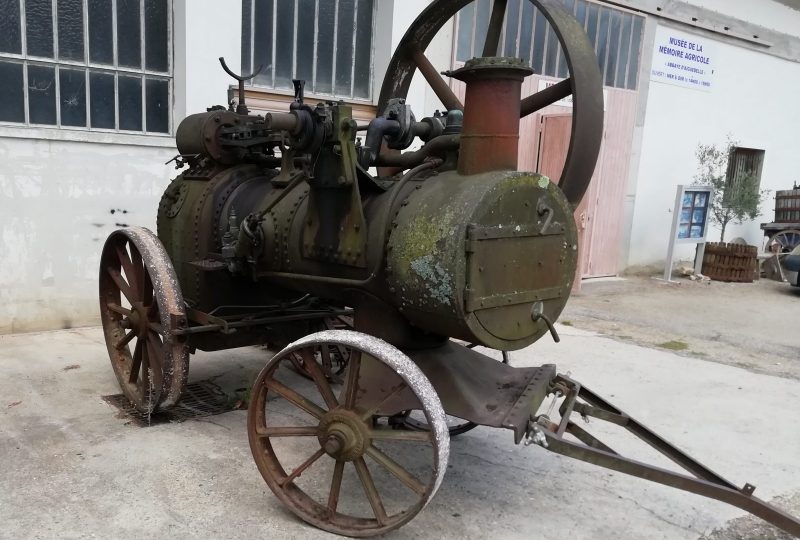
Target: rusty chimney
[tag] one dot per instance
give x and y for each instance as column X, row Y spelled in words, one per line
column 490, row 134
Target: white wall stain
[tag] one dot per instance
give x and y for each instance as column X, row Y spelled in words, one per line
column 56, row 199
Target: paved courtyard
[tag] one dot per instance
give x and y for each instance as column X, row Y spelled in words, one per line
column 73, row 467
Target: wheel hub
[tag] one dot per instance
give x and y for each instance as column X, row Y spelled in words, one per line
column 137, row 320
column 343, row 435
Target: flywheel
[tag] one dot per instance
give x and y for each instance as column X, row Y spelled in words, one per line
column 584, row 83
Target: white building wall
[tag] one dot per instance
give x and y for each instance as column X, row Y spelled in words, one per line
column 58, row 202
column 754, row 99
column 766, row 13
column 62, row 192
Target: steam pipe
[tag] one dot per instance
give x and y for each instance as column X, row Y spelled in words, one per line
column 436, row 146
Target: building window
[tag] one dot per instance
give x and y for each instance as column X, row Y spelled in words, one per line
column 91, row 64
column 615, row 34
column 327, row 43
column 744, row 169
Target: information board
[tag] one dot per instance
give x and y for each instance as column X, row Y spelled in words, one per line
column 689, row 223
column 683, row 59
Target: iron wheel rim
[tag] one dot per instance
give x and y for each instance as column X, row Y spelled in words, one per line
column 135, row 270
column 326, row 516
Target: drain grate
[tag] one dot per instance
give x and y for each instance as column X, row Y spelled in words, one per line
column 200, row 399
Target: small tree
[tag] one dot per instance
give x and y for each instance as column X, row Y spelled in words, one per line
column 733, row 200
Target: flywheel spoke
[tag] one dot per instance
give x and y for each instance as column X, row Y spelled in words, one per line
column 321, row 381
column 293, row 397
column 305, row 465
column 543, row 98
column 495, row 28
column 370, row 490
column 397, row 470
column 336, row 486
column 437, row 83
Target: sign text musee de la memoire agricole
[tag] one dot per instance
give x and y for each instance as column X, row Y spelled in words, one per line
column 683, row 59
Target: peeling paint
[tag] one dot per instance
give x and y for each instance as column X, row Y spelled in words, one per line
column 439, row 282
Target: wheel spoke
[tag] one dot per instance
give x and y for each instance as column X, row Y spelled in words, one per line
column 116, row 308
column 400, row 435
column 294, row 431
column 147, row 288
column 495, row 28
column 125, row 340
column 436, row 82
column 314, row 370
column 348, row 395
column 327, row 362
column 396, row 390
column 545, row 97
column 136, row 363
column 370, row 490
column 154, row 354
column 144, row 380
column 156, row 328
column 293, row 397
column 119, row 281
column 299, row 470
column 397, row 470
column 127, row 265
column 139, row 270
column 336, row 486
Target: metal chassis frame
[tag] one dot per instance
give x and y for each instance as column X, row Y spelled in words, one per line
column 699, row 480
column 208, row 322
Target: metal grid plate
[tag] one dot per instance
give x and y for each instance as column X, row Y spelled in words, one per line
column 200, row 399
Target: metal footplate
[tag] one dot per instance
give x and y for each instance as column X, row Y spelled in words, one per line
column 700, row 479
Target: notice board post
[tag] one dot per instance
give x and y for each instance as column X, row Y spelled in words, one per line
column 689, row 223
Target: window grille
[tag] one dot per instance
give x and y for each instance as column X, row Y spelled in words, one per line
column 91, row 64
column 615, row 34
column 327, row 43
column 742, row 163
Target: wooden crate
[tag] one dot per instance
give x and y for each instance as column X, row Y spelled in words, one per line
column 730, row 262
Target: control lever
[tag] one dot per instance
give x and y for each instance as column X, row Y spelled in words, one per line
column 241, row 108
column 299, row 89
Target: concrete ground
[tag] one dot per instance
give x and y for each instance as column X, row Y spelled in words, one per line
column 71, row 467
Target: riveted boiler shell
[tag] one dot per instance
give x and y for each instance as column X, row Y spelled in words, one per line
column 470, row 256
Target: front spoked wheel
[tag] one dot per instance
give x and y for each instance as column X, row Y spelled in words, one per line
column 323, row 449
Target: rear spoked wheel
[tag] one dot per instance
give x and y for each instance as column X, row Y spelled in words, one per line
column 141, row 306
column 333, row 360
column 324, row 451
